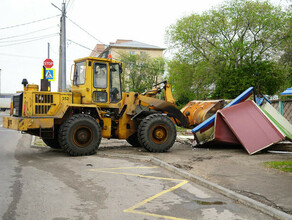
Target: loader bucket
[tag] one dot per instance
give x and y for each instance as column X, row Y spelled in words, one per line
column 198, row 111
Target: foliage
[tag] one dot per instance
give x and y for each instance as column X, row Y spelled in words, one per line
column 225, row 50
column 140, row 72
column 286, row 58
column 280, row 165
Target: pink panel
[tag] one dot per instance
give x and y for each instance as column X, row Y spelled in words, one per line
column 251, row 127
column 223, row 132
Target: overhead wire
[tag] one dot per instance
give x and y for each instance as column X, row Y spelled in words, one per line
column 25, row 39
column 90, row 36
column 81, row 45
column 92, row 50
column 69, row 5
column 22, row 56
column 32, row 22
column 20, row 35
column 85, row 30
column 34, row 39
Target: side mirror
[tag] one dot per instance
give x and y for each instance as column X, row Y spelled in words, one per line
column 71, row 72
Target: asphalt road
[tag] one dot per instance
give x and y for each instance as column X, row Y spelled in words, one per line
column 42, row 183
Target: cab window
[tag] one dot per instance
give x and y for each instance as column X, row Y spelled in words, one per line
column 79, row 73
column 115, row 83
column 100, row 75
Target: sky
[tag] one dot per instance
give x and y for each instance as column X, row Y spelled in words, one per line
column 27, row 26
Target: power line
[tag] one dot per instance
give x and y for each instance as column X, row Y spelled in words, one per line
column 85, row 31
column 69, row 6
column 26, row 39
column 17, row 55
column 81, row 45
column 18, row 25
column 15, row 36
column 90, row 36
column 35, row 39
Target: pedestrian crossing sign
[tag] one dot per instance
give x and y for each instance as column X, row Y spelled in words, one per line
column 49, row 74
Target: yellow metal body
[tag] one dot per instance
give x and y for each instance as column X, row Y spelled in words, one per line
column 46, row 110
column 24, row 124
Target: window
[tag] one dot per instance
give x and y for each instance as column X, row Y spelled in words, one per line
column 99, row 96
column 100, row 75
column 132, row 52
column 115, row 83
column 79, row 73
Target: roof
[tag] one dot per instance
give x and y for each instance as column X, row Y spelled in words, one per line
column 135, row 44
column 288, row 91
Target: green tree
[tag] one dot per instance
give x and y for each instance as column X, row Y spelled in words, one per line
column 286, row 58
column 141, row 72
column 229, row 48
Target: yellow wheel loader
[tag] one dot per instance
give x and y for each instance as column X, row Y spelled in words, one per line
column 96, row 107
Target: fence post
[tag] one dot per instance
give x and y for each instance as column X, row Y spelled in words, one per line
column 281, row 107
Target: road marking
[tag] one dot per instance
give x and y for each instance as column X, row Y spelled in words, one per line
column 132, row 209
column 121, row 168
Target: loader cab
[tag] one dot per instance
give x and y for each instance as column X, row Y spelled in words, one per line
column 98, row 81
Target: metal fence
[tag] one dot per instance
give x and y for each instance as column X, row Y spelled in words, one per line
column 284, row 107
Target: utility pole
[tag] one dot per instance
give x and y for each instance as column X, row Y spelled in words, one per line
column 62, row 53
column 0, row 81
column 48, row 50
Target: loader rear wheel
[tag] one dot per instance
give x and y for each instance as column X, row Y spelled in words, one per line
column 133, row 140
column 80, row 135
column 157, row 133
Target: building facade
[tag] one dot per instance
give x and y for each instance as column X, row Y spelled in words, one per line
column 115, row 49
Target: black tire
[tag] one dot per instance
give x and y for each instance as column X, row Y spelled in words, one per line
column 157, row 133
column 80, row 135
column 133, row 140
column 53, row 143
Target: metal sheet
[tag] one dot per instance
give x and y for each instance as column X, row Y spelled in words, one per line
column 251, row 127
column 223, row 132
column 210, row 121
column 279, row 120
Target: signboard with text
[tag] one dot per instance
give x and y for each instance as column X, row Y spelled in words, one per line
column 48, row 63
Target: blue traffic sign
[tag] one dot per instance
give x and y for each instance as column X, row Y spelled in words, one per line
column 50, row 74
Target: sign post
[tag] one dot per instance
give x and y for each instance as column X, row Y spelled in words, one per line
column 48, row 75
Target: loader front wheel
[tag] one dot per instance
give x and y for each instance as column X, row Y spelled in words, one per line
column 157, row 133
column 133, row 140
column 52, row 143
column 80, row 135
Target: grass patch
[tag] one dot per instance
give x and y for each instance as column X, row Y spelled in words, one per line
column 280, row 165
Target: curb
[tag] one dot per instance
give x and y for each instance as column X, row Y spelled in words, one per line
column 275, row 213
